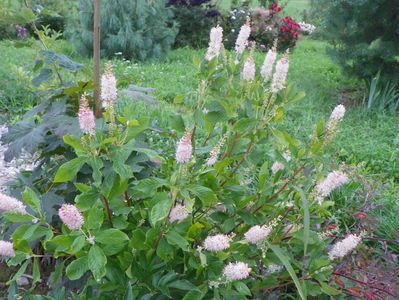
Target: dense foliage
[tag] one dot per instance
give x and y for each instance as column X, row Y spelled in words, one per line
column 195, row 18
column 240, row 206
column 364, row 35
column 138, row 30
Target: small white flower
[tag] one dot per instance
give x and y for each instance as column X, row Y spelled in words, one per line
column 344, row 247
column 277, row 166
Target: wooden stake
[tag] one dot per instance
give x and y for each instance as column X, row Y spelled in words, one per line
column 96, row 59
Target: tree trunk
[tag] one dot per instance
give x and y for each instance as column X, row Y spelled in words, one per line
column 96, row 59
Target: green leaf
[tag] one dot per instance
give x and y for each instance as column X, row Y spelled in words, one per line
column 183, row 284
column 69, row 170
column 35, row 271
column 174, row 238
column 113, row 240
column 328, row 289
column 78, row 244
column 30, row 198
column 44, row 76
column 27, row 15
column 56, row 276
column 137, row 240
column 74, row 142
column 284, row 259
column 206, row 195
column 242, row 288
column 160, row 210
column 20, row 272
column 97, row 261
column 164, row 250
column 77, row 268
column 17, row 218
column 95, row 218
column 306, row 220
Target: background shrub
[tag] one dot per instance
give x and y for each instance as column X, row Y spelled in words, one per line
column 138, row 29
column 195, row 19
column 364, row 35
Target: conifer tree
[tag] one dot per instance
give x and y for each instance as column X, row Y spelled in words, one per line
column 139, row 29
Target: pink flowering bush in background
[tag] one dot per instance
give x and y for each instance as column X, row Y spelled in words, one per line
column 239, row 207
column 268, row 24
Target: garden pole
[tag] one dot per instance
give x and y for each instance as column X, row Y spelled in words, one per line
column 96, row 59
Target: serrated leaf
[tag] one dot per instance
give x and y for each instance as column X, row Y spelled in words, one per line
column 113, row 240
column 242, row 288
column 31, row 199
column 69, row 170
column 175, row 238
column 45, row 75
column 17, row 218
column 160, row 210
column 97, row 261
column 183, row 284
column 206, row 195
column 76, row 269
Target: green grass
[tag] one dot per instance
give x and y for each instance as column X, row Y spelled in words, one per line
column 295, row 8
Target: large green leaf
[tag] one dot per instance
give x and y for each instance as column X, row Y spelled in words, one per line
column 175, row 238
column 206, row 195
column 69, row 170
column 45, row 75
column 97, row 261
column 112, row 240
column 31, row 199
column 77, row 268
column 160, row 210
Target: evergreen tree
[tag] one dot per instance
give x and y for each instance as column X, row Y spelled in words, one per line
column 139, row 29
column 364, row 35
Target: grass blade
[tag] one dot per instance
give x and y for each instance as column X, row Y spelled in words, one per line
column 284, row 259
column 306, row 220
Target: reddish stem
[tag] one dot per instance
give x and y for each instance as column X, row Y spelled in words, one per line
column 364, row 283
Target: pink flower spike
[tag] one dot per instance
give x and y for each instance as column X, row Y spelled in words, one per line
column 6, row 249
column 11, row 204
column 248, row 72
column 71, row 216
column 280, row 75
column 178, row 213
column 236, row 271
column 184, row 149
column 109, row 92
column 217, row 243
column 87, row 121
column 215, row 43
column 242, row 39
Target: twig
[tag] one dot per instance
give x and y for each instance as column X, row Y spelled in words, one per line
column 284, row 186
column 108, row 211
column 249, row 148
column 364, row 283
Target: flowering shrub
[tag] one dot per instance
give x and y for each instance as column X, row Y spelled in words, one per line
column 307, row 28
column 267, row 26
column 237, row 201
